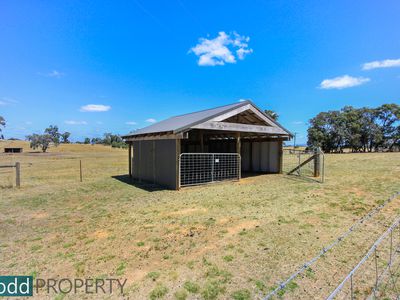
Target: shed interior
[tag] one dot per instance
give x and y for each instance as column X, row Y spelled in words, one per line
column 259, row 153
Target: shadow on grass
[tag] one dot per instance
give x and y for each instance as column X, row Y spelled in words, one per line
column 149, row 187
column 298, row 178
column 255, row 174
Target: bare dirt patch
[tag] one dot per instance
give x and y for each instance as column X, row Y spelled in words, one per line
column 101, row 234
column 246, row 225
column 187, row 211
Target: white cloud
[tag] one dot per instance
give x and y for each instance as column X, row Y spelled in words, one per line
column 225, row 48
column 53, row 74
column 7, row 101
column 297, row 122
column 72, row 122
column 130, row 123
column 95, row 108
column 343, row 82
column 387, row 63
column 151, row 120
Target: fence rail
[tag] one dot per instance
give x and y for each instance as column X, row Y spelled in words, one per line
column 17, row 167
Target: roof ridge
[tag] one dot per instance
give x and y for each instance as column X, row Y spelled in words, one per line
column 203, row 110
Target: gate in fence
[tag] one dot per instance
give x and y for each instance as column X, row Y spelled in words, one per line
column 203, row 168
column 306, row 163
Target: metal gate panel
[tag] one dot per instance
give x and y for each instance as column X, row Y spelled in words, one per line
column 203, row 168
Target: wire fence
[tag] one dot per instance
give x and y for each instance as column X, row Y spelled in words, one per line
column 6, row 177
column 282, row 286
column 375, row 276
column 302, row 163
column 56, row 168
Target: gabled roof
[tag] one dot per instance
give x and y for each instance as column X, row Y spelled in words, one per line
column 182, row 123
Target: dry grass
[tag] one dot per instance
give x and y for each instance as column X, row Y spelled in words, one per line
column 230, row 240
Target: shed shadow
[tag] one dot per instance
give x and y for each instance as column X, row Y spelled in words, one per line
column 149, row 187
column 254, row 174
column 299, row 178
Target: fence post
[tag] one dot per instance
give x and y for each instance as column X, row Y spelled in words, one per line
column 18, row 174
column 351, row 288
column 80, row 169
column 391, row 246
column 376, row 273
column 299, row 170
column 317, row 162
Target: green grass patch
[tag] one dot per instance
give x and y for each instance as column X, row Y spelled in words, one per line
column 160, row 291
column 191, row 287
column 241, row 295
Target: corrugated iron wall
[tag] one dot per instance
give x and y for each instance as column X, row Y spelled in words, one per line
column 260, row 157
column 155, row 162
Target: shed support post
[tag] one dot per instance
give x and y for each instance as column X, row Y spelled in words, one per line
column 154, row 162
column 201, row 141
column 130, row 159
column 178, row 169
column 139, row 162
column 238, row 151
column 251, row 156
column 280, row 157
column 238, row 148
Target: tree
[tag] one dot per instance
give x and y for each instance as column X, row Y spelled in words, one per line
column 52, row 130
column 65, row 137
column 388, row 116
column 352, row 130
column 272, row 114
column 40, row 141
column 96, row 141
column 2, row 124
column 43, row 141
column 87, row 141
column 371, row 133
column 327, row 131
column 110, row 139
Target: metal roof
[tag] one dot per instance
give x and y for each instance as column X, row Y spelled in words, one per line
column 180, row 123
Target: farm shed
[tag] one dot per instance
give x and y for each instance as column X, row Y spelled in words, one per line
column 13, row 150
column 207, row 146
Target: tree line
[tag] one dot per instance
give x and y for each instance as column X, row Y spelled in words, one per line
column 52, row 136
column 359, row 129
column 109, row 139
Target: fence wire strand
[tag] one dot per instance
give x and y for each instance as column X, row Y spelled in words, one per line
column 324, row 250
column 371, row 252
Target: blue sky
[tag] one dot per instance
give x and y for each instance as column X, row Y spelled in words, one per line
column 139, row 61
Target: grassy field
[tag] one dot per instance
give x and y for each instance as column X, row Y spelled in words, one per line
column 223, row 241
